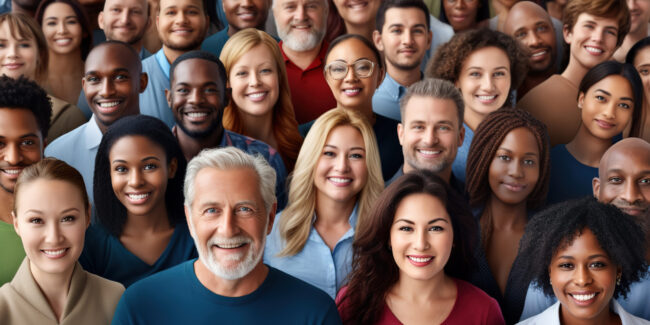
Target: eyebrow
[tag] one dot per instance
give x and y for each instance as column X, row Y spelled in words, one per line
column 590, row 257
column 527, row 153
column 62, row 212
column 114, row 71
column 482, row 68
column 185, row 84
column 430, row 221
column 49, row 18
column 28, row 135
column 363, row 58
column 143, row 159
column 620, row 170
column 353, row 148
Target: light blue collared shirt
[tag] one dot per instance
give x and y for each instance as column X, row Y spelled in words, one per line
column 316, row 264
column 460, row 163
column 386, row 99
column 153, row 101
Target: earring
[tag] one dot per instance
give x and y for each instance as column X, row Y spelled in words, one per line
column 550, row 282
column 618, row 279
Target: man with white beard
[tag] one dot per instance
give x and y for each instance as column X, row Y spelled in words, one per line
column 230, row 206
column 301, row 26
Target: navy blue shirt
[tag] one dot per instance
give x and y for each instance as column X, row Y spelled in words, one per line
column 176, row 296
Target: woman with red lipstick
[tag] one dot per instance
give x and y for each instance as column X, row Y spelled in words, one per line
column 335, row 183
column 409, row 258
column 260, row 105
column 507, row 177
column 69, row 40
column 464, row 15
column 610, row 97
column 586, row 254
column 140, row 228
column 51, row 214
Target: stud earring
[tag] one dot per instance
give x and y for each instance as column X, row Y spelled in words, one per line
column 618, row 279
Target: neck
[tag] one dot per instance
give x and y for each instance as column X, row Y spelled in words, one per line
column 192, row 146
column 507, row 216
column 231, row 288
column 574, row 72
column 137, row 46
column 55, row 287
column 102, row 127
column 332, row 212
column 172, row 55
column 445, row 174
column 365, row 110
column 422, row 291
column 403, row 77
column 364, row 30
column 302, row 59
column 155, row 221
column 6, row 206
column 473, row 119
column 532, row 80
column 605, row 317
column 65, row 65
column 259, row 127
column 587, row 148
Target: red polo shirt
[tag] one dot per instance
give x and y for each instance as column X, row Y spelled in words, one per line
column 310, row 94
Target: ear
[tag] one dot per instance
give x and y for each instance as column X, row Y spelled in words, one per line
column 168, row 95
column 429, row 38
column 567, row 33
column 172, row 168
column 13, row 217
column 400, row 133
column 269, row 227
column 581, row 100
column 595, row 185
column 144, row 81
column 100, row 20
column 376, row 38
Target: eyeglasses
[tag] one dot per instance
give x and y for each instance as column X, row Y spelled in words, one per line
column 337, row 70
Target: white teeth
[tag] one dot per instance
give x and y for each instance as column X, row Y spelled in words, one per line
column 197, row 114
column 583, row 297
column 230, row 245
column 486, row 97
column 109, row 104
column 257, row 95
column 63, row 41
column 593, row 49
column 538, row 54
column 138, row 196
column 352, row 91
column 420, row 259
column 12, row 171
column 340, row 180
column 54, row 253
column 429, row 152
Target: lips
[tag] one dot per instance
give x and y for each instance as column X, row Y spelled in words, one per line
column 196, row 115
column 486, row 99
column 257, row 96
column 356, row 5
column 514, row 187
column 247, row 15
column 63, row 41
column 429, row 153
column 12, row 173
column 594, row 50
column 55, row 253
column 604, row 124
column 584, row 298
column 540, row 54
column 420, row 260
column 182, row 31
column 138, row 198
column 13, row 65
column 352, row 92
column 339, row 181
column 108, row 106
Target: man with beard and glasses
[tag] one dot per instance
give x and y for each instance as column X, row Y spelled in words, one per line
column 531, row 26
column 197, row 95
column 230, row 207
column 403, row 36
column 112, row 81
column 182, row 26
column 302, row 25
column 25, row 112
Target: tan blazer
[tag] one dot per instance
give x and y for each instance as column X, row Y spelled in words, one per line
column 65, row 118
column 91, row 300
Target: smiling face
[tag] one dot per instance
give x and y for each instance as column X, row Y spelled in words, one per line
column 531, row 26
column 592, row 40
column 421, row 237
column 21, row 144
column 639, row 14
column 51, row 220
column 255, row 82
column 228, row 221
column 17, row 56
column 242, row 14
column 353, row 92
column 583, row 279
column 195, row 99
column 301, row 24
column 341, row 173
column 357, row 12
column 124, row 20
column 642, row 65
column 404, row 39
column 607, row 107
column 514, row 171
column 182, row 24
column 139, row 174
column 62, row 29
column 484, row 82
column 461, row 14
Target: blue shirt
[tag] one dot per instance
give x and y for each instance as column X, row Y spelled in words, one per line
column 385, row 101
column 316, row 264
column 78, row 148
column 104, row 255
column 176, row 296
column 153, row 101
column 5, row 6
column 214, row 44
column 569, row 178
column 460, row 163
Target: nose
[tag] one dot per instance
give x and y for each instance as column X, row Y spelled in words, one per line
column 631, row 192
column 407, row 37
column 195, row 97
column 135, row 178
column 124, row 16
column 351, row 76
column 515, row 169
column 61, row 27
column 609, row 111
column 246, row 3
column 533, row 39
column 12, row 154
column 582, row 276
column 342, row 163
column 12, row 51
column 422, row 241
column 254, row 79
column 631, row 4
column 429, row 136
column 598, row 35
column 486, row 82
column 53, row 234
column 460, row 4
column 228, row 224
column 108, row 88
column 181, row 18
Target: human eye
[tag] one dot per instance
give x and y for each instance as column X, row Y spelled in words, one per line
column 503, row 157
column 419, row 31
column 120, row 169
column 643, row 71
column 417, row 127
column 92, row 79
column 170, row 12
column 612, row 32
column 529, row 162
column 474, row 74
column 624, row 105
column 51, row 23
column 600, row 98
column 363, row 67
column 645, row 181
column 444, row 128
column 615, row 180
column 68, row 219
column 150, row 166
column 182, row 90
column 192, row 12
column 122, row 76
column 395, row 30
column 211, row 90
column 36, row 220
column 266, row 71
column 542, row 28
column 329, row 153
column 405, row 228
column 597, row 265
column 210, row 211
column 241, row 73
column 499, row 73
column 72, row 21
column 244, row 210
column 25, row 45
column 28, row 142
column 520, row 35
column 436, row 228
column 338, row 68
column 356, row 156
column 566, row 266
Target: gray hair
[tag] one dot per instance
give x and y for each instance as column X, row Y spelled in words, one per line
column 435, row 88
column 231, row 158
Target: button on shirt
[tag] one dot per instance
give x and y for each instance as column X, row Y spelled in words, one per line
column 386, row 99
column 316, row 264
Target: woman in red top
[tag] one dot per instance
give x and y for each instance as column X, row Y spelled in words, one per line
column 407, row 258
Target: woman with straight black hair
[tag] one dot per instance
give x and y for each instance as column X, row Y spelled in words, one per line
column 140, row 224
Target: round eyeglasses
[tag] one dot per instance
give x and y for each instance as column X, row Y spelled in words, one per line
column 362, row 68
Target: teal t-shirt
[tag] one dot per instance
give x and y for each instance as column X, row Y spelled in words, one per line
column 11, row 252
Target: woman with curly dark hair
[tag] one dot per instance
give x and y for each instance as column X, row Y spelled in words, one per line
column 486, row 66
column 138, row 190
column 586, row 254
column 409, row 258
column 507, row 177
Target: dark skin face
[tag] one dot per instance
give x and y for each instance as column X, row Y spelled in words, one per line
column 112, row 83
column 531, row 26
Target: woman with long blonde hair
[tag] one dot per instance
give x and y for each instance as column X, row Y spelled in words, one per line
column 336, row 181
column 261, row 106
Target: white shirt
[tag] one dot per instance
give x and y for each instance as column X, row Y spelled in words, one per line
column 551, row 316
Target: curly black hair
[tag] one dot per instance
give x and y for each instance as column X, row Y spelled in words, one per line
column 27, row 94
column 558, row 226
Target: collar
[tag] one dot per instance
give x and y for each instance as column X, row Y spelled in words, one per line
column 92, row 134
column 318, row 61
column 394, row 89
column 352, row 219
column 162, row 62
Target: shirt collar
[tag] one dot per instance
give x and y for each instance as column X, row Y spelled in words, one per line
column 162, row 62
column 92, row 133
column 392, row 87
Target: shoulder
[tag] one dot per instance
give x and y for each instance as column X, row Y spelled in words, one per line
column 481, row 302
column 627, row 318
column 160, row 286
column 550, row 316
column 541, row 92
column 251, row 145
column 149, row 63
column 108, row 290
column 63, row 142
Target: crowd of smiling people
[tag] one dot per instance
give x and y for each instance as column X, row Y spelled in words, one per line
column 324, row 162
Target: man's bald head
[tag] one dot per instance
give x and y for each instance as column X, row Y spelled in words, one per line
column 531, row 26
column 624, row 177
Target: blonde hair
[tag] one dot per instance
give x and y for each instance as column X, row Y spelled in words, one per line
column 23, row 26
column 295, row 223
column 285, row 126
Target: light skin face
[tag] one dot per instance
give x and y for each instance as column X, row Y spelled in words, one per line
column 17, row 56
column 51, row 220
column 300, row 21
column 607, row 107
column 404, row 39
column 352, row 91
column 112, row 83
column 430, row 134
column 624, row 177
column 592, row 39
column 124, row 20
column 21, row 144
column 357, row 12
column 228, row 220
column 461, row 14
column 242, row 14
column 639, row 14
column 61, row 28
column 255, row 84
column 583, row 279
column 194, row 97
column 421, row 237
column 531, row 26
column 642, row 65
column 182, row 24
column 514, row 171
column 341, row 172
column 139, row 174
column 484, row 81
